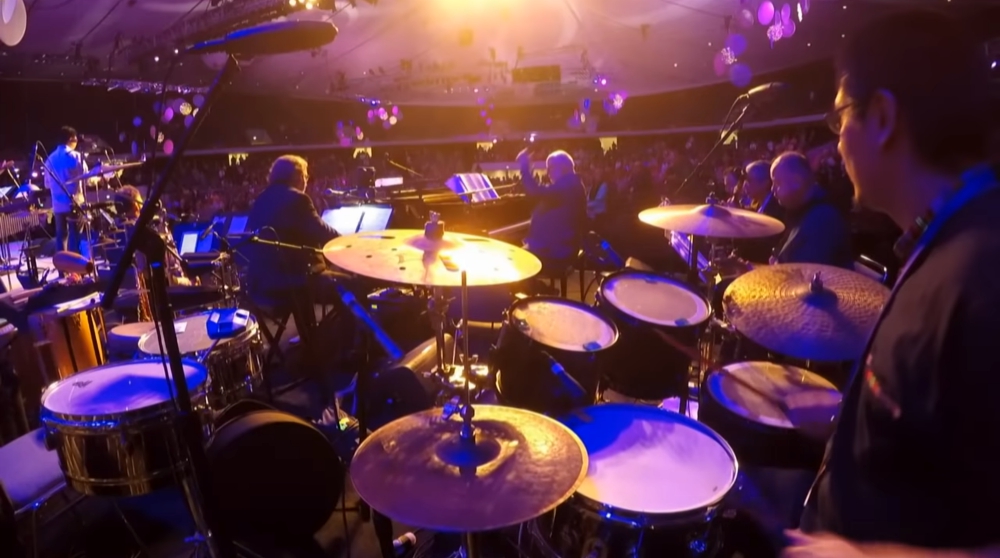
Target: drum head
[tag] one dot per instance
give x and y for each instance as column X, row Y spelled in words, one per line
column 77, row 305
column 131, row 332
column 562, row 324
column 192, row 336
column 117, row 388
column 647, row 460
column 742, row 388
column 654, row 299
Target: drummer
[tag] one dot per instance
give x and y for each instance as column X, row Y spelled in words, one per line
column 910, row 468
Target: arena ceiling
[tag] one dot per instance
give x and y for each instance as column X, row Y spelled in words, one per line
column 445, row 52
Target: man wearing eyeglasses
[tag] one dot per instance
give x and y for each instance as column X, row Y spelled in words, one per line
column 910, row 468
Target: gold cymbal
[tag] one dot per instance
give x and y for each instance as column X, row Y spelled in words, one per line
column 418, row 471
column 806, row 311
column 407, row 256
column 712, row 220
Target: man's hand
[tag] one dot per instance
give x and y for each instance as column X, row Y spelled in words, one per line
column 524, row 157
column 822, row 545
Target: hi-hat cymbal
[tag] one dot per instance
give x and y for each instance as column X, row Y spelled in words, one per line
column 418, row 471
column 712, row 220
column 806, row 311
column 407, row 256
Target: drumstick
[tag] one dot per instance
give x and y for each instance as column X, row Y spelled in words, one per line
column 715, row 366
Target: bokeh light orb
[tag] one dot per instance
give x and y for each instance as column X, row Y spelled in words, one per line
column 168, row 115
column 765, row 12
column 160, row 137
column 395, row 111
column 774, row 33
column 787, row 29
column 137, row 122
column 786, row 13
column 122, row 137
column 188, row 121
column 740, row 75
column 737, row 44
column 168, row 147
column 393, row 120
column 198, row 100
column 152, row 132
column 745, row 18
column 719, row 65
column 185, row 108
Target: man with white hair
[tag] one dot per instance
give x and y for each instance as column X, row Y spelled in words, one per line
column 817, row 232
column 559, row 219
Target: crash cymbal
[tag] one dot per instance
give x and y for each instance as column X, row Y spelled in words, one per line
column 712, row 220
column 806, row 311
column 407, row 256
column 417, row 470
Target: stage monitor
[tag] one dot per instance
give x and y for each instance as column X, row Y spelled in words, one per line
column 358, row 218
column 472, row 187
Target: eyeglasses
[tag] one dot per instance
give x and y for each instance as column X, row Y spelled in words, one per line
column 834, row 118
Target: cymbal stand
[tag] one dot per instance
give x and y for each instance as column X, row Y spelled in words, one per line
column 437, row 311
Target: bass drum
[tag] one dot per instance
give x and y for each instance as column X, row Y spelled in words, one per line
column 274, row 473
column 742, row 402
column 642, row 305
column 653, row 488
column 543, row 337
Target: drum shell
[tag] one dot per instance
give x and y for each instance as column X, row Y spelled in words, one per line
column 236, row 369
column 581, row 528
column 523, row 373
column 69, row 342
column 646, row 366
column 755, row 443
column 125, row 454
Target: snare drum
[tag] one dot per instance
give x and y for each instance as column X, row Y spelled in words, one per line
column 114, row 427
column 69, row 337
column 646, row 366
column 235, row 365
column 654, row 484
column 740, row 403
column 538, row 331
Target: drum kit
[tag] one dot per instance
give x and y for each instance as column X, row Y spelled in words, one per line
column 608, row 479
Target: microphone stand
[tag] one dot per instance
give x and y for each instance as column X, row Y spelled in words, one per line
column 727, row 130
column 204, row 509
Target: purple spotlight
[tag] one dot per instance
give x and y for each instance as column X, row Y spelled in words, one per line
column 765, row 13
column 786, row 13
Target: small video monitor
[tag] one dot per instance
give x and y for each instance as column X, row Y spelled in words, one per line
column 238, row 225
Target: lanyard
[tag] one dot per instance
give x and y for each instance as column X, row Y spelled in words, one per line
column 975, row 182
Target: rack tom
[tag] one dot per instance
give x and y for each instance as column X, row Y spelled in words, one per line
column 742, row 402
column 540, row 338
column 642, row 304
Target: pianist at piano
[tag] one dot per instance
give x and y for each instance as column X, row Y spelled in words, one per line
column 559, row 218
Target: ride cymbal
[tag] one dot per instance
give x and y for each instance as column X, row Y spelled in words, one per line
column 712, row 220
column 407, row 256
column 806, row 311
column 418, row 471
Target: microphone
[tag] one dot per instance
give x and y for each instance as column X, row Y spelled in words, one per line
column 70, row 262
column 765, row 90
column 204, row 234
column 331, row 193
column 571, row 388
column 271, row 38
